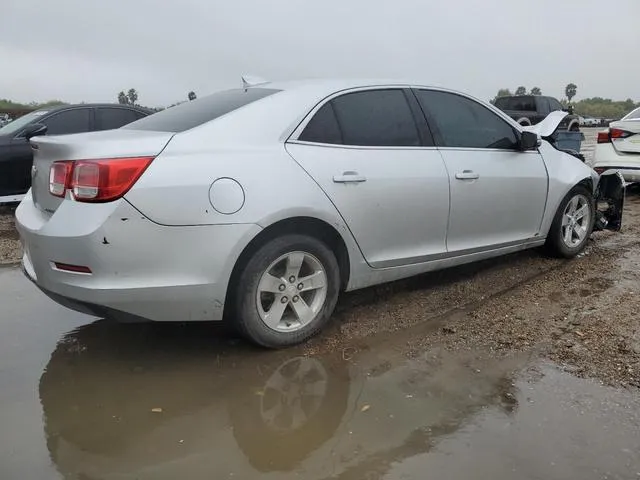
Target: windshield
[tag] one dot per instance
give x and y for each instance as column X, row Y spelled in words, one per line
column 16, row 125
column 193, row 113
column 634, row 115
column 516, row 103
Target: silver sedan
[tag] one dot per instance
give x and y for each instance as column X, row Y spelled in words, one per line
column 260, row 204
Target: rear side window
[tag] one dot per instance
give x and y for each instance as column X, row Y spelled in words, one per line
column 462, row 122
column 323, row 127
column 520, row 104
column 376, row 118
column 68, row 121
column 191, row 114
column 110, row 118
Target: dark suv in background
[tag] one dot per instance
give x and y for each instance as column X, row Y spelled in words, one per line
column 532, row 109
column 15, row 151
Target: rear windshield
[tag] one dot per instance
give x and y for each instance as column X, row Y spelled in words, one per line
column 634, row 115
column 516, row 103
column 191, row 114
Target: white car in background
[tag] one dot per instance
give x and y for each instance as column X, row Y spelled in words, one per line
column 618, row 148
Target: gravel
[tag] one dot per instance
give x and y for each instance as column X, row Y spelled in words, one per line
column 10, row 249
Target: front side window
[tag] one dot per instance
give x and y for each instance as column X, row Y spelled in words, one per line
column 554, row 105
column 464, row 123
column 68, row 121
column 376, row 118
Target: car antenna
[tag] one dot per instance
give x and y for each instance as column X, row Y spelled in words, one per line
column 252, row 81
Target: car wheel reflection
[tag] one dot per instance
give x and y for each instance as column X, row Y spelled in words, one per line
column 291, row 412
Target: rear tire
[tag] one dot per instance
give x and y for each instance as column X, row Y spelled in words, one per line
column 287, row 291
column 572, row 224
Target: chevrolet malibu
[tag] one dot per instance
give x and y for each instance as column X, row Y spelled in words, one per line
column 260, row 204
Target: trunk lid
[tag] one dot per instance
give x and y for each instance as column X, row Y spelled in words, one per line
column 631, row 143
column 105, row 144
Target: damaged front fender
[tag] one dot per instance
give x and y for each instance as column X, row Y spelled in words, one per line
column 609, row 200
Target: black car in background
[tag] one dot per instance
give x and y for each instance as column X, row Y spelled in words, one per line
column 532, row 109
column 15, row 151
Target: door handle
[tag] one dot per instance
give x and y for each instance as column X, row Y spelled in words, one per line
column 349, row 177
column 467, row 175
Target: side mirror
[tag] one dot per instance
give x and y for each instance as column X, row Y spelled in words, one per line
column 528, row 141
column 34, row 129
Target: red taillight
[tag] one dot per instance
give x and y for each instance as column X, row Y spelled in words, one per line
column 618, row 133
column 101, row 180
column 59, row 178
column 603, row 137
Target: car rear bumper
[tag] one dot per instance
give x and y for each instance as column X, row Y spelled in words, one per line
column 607, row 157
column 139, row 270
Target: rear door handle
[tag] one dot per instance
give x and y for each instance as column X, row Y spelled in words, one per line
column 467, row 175
column 349, row 177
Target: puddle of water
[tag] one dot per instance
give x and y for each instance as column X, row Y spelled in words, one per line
column 141, row 402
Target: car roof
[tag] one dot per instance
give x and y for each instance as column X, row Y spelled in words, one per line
column 322, row 86
column 92, row 105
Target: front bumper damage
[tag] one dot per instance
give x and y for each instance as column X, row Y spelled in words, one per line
column 609, row 199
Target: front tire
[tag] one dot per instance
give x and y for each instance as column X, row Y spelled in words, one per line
column 287, row 291
column 572, row 224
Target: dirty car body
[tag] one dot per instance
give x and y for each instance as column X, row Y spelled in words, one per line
column 261, row 203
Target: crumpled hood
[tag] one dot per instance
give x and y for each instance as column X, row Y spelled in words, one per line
column 549, row 125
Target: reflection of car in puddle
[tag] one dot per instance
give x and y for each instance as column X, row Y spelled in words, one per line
column 230, row 410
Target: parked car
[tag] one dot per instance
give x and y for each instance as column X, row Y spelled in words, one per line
column 260, row 204
column 531, row 109
column 15, row 152
column 4, row 119
column 591, row 122
column 618, row 147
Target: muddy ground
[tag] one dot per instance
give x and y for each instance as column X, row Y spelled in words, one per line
column 518, row 367
column 10, row 250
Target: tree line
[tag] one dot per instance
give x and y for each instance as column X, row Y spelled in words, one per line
column 595, row 107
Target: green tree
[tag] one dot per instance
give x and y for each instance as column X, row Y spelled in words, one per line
column 191, row 95
column 570, row 91
column 536, row 91
column 132, row 95
column 122, row 98
column 521, row 90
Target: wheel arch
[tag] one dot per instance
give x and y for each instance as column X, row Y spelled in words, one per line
column 307, row 225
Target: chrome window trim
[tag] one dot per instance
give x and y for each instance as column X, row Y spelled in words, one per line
column 293, row 138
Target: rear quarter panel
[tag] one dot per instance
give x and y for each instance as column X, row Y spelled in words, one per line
column 175, row 190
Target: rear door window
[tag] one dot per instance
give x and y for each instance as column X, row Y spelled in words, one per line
column 68, row 121
column 111, row 118
column 376, row 118
column 191, row 114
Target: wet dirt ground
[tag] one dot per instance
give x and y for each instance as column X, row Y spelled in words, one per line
column 518, row 368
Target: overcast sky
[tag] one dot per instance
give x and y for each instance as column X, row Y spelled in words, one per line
column 89, row 50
